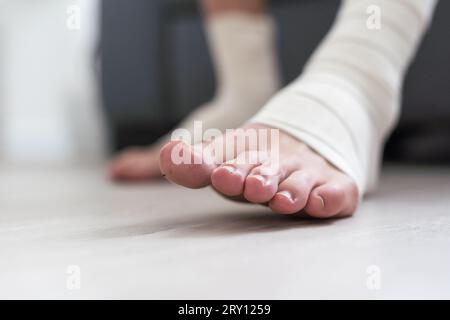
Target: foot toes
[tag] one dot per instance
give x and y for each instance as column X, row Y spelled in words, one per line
column 262, row 182
column 259, row 188
column 186, row 165
column 332, row 199
column 293, row 193
column 135, row 165
column 312, row 186
column 229, row 178
column 118, row 169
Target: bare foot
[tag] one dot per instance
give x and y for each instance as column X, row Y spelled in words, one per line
column 136, row 164
column 303, row 182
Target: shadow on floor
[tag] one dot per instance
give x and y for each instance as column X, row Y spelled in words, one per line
column 218, row 224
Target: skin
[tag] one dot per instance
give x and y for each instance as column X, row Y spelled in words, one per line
column 136, row 164
column 302, row 183
column 142, row 164
column 305, row 183
column 212, row 8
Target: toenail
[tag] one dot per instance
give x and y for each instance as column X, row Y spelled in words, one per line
column 230, row 169
column 260, row 178
column 287, row 195
column 322, row 201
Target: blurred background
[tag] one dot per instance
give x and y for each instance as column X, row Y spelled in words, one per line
column 82, row 79
column 49, row 98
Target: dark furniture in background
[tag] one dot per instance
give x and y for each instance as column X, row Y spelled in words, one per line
column 156, row 69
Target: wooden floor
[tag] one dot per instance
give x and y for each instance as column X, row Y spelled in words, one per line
column 70, row 233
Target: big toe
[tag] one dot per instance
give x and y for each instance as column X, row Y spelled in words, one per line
column 185, row 165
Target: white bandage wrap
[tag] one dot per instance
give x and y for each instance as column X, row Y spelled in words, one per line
column 348, row 98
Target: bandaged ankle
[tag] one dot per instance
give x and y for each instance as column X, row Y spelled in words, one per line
column 347, row 100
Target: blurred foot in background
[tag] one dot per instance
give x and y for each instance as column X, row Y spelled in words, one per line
column 136, row 164
column 241, row 41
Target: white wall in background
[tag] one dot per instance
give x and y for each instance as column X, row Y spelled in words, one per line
column 49, row 106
